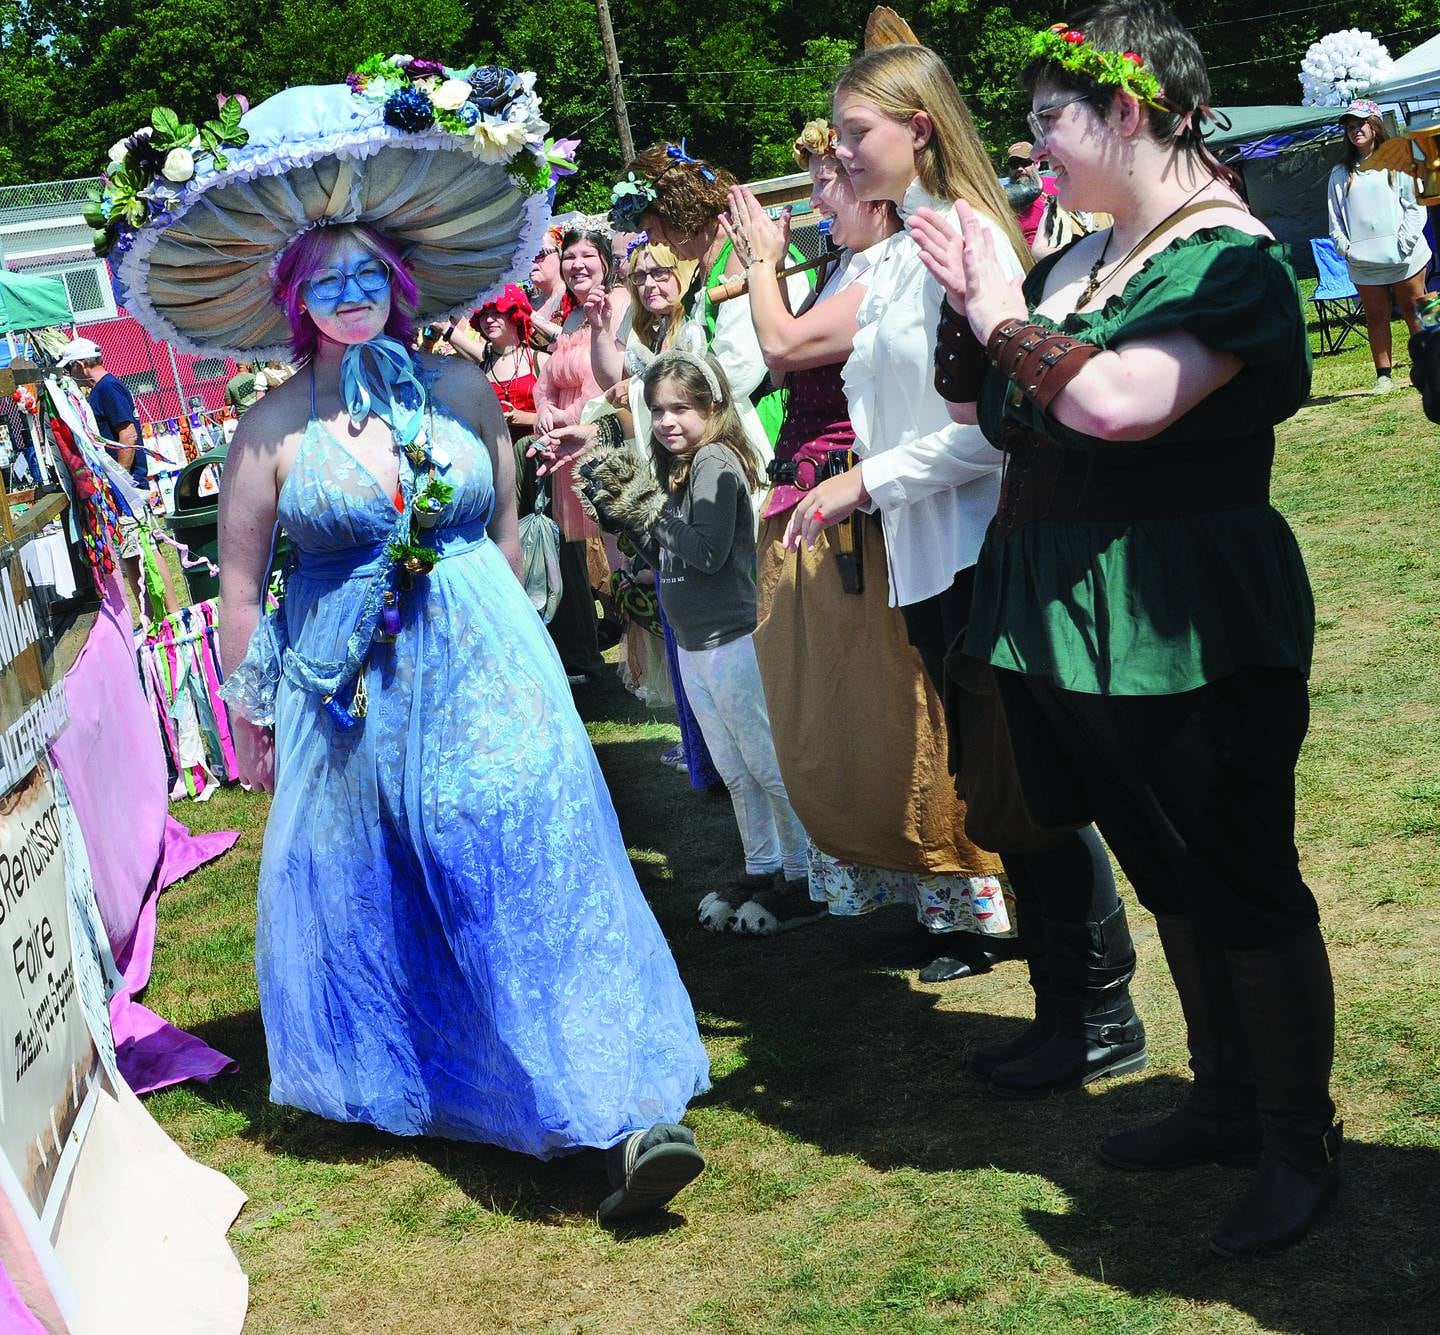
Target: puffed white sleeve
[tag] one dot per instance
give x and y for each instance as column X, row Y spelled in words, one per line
column 950, row 456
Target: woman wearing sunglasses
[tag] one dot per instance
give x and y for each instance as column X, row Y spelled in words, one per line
column 1144, row 612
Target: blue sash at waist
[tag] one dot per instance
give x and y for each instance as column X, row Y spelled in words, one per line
column 373, row 565
column 365, row 562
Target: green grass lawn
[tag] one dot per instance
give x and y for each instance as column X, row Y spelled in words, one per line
column 858, row 1179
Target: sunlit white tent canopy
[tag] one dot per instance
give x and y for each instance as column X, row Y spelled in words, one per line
column 1413, row 78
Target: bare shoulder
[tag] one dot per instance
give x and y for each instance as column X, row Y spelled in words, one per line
column 276, row 418
column 458, row 379
column 466, row 390
column 1236, row 216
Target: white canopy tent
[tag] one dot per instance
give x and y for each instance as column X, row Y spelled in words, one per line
column 1415, row 77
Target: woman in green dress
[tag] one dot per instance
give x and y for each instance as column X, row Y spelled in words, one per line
column 1144, row 611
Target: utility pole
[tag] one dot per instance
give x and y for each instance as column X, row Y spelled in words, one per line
column 612, row 70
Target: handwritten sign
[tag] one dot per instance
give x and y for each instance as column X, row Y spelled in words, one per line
column 32, row 712
column 48, row 1059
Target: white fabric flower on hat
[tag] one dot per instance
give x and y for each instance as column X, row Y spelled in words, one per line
column 497, row 140
column 179, row 166
column 451, row 95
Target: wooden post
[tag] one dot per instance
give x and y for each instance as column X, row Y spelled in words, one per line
column 612, row 70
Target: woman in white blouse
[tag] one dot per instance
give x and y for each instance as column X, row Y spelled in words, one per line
column 905, row 135
column 889, row 829
column 1378, row 225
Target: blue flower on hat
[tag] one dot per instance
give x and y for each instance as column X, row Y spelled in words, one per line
column 410, row 110
column 469, row 113
column 494, row 87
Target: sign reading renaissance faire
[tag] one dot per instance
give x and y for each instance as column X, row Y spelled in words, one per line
column 48, row 1060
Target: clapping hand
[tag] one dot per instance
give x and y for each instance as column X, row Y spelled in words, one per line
column 751, row 230
column 963, row 261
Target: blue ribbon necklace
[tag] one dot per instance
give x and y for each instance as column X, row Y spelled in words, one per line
column 380, row 377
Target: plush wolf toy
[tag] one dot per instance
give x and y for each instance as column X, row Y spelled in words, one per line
column 620, row 490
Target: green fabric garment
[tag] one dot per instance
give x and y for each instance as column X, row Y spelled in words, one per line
column 240, row 392
column 1152, row 606
column 769, row 408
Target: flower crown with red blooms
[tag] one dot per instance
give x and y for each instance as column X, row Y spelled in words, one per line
column 1118, row 69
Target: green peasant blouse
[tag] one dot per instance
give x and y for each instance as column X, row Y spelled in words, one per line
column 1158, row 605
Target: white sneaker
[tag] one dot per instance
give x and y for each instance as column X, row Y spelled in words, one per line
column 1383, row 384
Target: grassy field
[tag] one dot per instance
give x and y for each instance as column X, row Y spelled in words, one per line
column 859, row 1180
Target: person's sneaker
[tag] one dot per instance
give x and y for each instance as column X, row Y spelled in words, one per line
column 674, row 757
column 718, row 909
column 1383, row 384
column 647, row 1169
column 787, row 906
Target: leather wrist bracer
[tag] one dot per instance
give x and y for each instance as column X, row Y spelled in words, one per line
column 959, row 358
column 1039, row 361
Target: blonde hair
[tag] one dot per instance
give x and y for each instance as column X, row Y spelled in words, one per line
column 901, row 82
column 722, row 420
column 657, row 332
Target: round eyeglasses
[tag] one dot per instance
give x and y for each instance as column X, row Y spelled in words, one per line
column 1041, row 120
column 371, row 276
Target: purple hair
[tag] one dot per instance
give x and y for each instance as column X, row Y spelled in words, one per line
column 310, row 252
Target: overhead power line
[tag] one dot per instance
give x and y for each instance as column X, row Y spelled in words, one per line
column 1293, row 55
column 774, row 69
column 1274, row 14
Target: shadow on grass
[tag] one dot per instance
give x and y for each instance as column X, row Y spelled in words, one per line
column 842, row 1053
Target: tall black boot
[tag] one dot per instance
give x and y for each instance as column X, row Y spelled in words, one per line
column 1286, row 1002
column 1042, row 1028
column 1097, row 1032
column 1218, row 1122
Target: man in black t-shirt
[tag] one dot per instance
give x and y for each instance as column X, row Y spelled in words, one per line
column 114, row 408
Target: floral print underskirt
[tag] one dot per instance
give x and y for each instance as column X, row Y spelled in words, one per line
column 942, row 902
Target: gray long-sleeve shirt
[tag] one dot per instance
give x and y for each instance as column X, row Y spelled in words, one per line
column 704, row 551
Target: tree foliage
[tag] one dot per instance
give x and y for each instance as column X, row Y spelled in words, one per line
column 737, row 78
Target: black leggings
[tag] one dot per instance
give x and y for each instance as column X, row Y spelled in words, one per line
column 1194, row 792
column 1070, row 882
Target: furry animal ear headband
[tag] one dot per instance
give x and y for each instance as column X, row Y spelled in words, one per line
column 657, row 369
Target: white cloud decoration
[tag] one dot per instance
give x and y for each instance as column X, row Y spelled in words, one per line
column 1340, row 67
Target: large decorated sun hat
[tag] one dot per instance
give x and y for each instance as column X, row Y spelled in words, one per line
column 452, row 164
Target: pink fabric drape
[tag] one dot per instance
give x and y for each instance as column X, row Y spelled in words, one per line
column 113, row 763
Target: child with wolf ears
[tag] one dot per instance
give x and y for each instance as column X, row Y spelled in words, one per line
column 688, row 512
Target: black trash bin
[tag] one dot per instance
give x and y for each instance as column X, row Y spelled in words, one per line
column 196, row 521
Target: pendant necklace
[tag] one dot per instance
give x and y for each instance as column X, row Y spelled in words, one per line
column 1094, row 282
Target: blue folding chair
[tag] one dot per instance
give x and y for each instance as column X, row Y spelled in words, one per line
column 1337, row 303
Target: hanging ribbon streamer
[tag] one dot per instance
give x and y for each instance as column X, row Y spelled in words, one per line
column 379, row 377
column 680, row 155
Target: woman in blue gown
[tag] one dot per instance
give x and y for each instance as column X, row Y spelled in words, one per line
column 451, row 940
column 450, row 937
